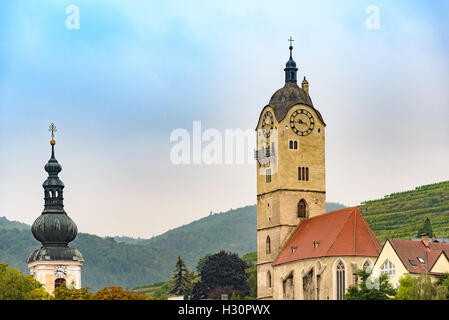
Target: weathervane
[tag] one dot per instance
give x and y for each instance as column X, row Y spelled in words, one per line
column 52, row 129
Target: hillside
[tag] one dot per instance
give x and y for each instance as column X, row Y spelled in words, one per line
column 129, row 262
column 5, row 223
column 401, row 214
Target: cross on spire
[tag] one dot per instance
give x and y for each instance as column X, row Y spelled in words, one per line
column 52, row 129
column 291, row 45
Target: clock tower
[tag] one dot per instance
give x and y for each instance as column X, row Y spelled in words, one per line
column 290, row 170
column 55, row 262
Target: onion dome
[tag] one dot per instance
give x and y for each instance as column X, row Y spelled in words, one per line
column 55, row 253
column 54, row 228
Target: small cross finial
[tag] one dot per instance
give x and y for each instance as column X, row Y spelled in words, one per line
column 291, row 41
column 52, row 129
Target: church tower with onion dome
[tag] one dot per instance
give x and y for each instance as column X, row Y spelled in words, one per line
column 55, row 262
column 290, row 170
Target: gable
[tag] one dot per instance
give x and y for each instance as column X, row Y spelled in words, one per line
column 441, row 265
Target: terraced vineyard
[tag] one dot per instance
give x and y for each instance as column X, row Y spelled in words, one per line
column 402, row 214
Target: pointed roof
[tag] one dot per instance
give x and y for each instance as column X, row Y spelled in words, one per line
column 339, row 233
column 409, row 251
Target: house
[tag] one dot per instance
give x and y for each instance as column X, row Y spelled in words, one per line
column 415, row 257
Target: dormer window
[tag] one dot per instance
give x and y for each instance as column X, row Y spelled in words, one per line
column 421, row 260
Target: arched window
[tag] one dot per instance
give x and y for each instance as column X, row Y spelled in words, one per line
column 268, row 245
column 388, row 268
column 59, row 282
column 269, row 279
column 290, row 144
column 366, row 265
column 302, row 206
column 295, row 145
column 340, row 276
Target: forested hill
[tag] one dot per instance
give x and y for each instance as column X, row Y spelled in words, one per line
column 5, row 223
column 129, row 262
column 402, row 214
column 136, row 261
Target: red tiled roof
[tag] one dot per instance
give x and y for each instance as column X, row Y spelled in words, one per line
column 412, row 249
column 339, row 233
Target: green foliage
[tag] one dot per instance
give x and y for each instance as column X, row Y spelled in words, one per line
column 371, row 289
column 130, row 262
column 200, row 263
column 160, row 290
column 251, row 272
column 252, row 281
column 70, row 293
column 400, row 215
column 426, row 228
column 109, row 293
column 15, row 286
column 222, row 273
column 421, row 288
column 182, row 280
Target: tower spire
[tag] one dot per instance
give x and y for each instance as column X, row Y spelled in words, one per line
column 54, row 229
column 290, row 68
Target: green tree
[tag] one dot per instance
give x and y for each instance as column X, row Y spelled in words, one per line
column 426, row 228
column 70, row 293
column 420, row 288
column 443, row 280
column 371, row 289
column 15, row 286
column 200, row 263
column 222, row 270
column 181, row 283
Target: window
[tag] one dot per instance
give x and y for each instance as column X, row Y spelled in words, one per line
column 293, row 144
column 388, row 268
column 366, row 265
column 268, row 175
column 421, row 260
column 302, row 206
column 268, row 245
column 340, row 274
column 269, row 279
column 412, row 262
column 303, row 174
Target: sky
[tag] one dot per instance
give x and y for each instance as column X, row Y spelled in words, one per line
column 135, row 71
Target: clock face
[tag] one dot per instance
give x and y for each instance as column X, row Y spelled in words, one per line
column 302, row 122
column 267, row 123
column 60, row 271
